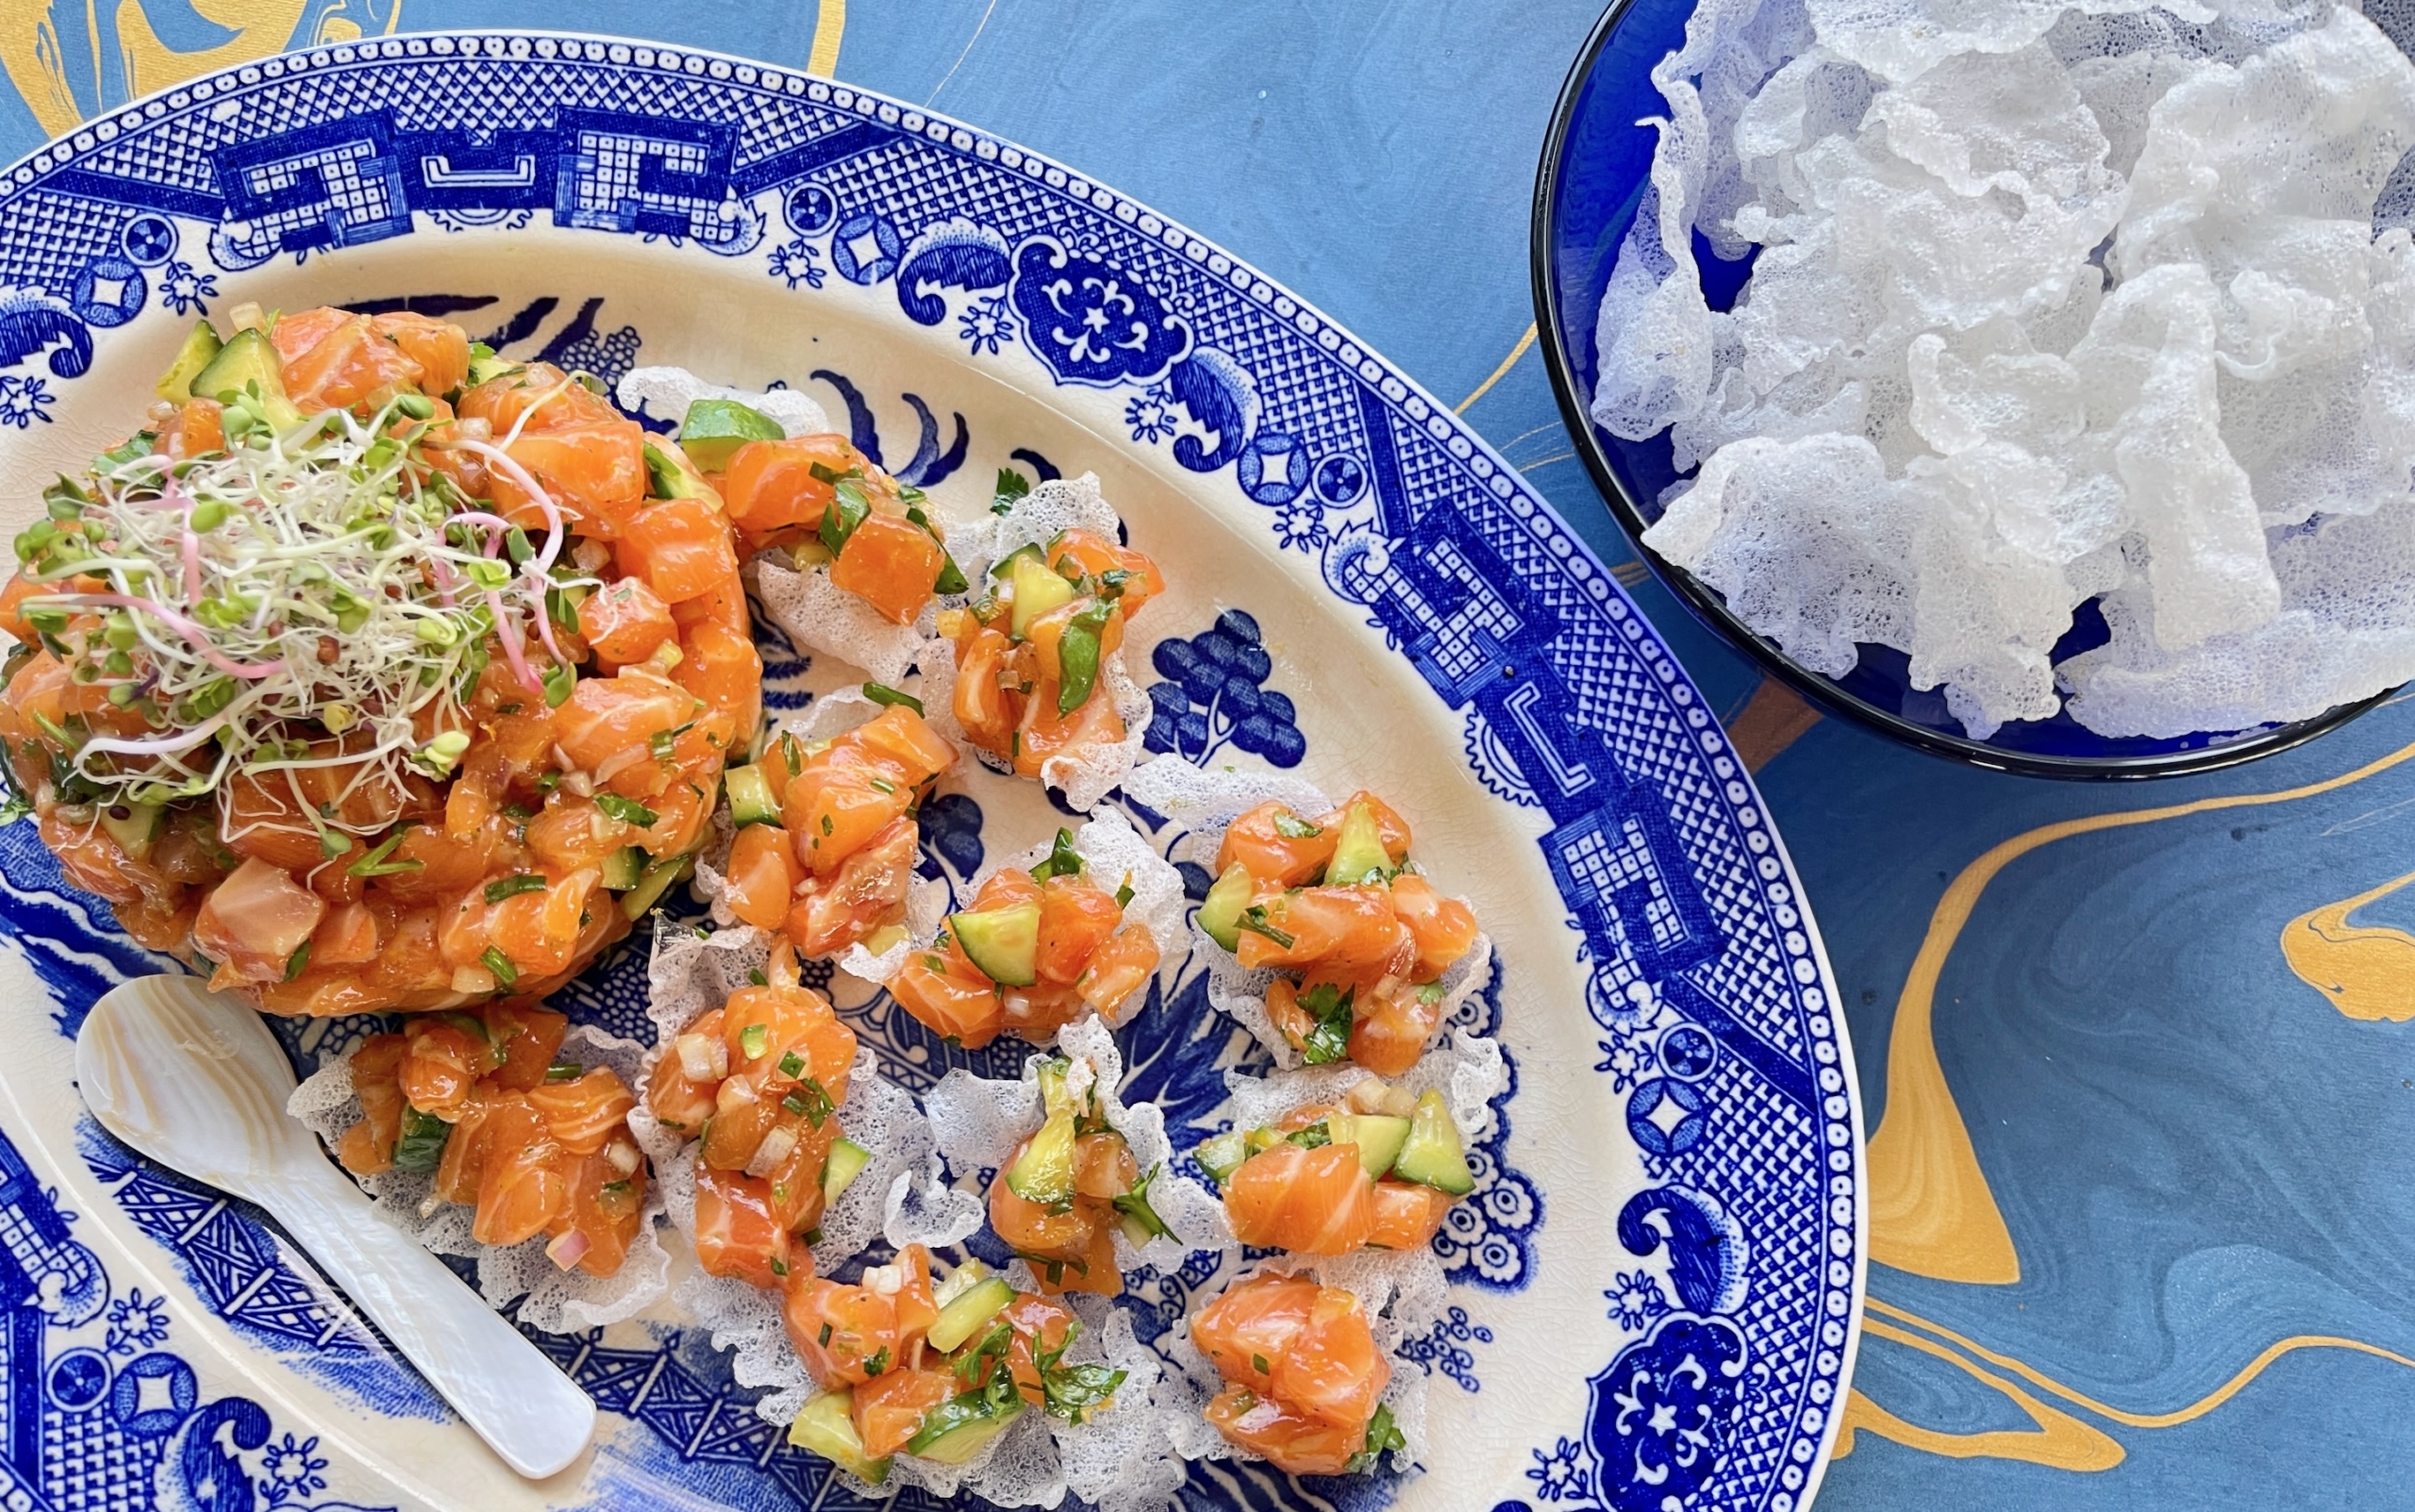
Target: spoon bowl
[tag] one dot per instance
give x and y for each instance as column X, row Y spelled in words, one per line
column 195, row 1082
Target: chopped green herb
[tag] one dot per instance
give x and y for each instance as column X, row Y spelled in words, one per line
column 1253, row 920
column 514, row 885
column 1077, row 654
column 1135, row 1205
column 758, row 977
column 1292, row 827
column 628, row 810
column 500, row 964
column 848, row 508
column 421, row 1144
column 881, row 694
column 565, row 1071
column 1383, row 1436
column 1011, row 486
column 878, row 1362
column 298, row 962
column 1315, row 1136
column 809, row 1101
column 1333, row 1012
column 375, row 864
column 1258, row 1363
column 994, row 1346
column 1072, row 1393
column 793, row 1065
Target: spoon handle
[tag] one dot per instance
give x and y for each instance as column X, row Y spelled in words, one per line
column 533, row 1415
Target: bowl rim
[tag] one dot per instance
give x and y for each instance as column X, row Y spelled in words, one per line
column 1705, row 602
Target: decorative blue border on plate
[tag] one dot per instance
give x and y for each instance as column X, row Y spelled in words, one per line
column 1706, row 977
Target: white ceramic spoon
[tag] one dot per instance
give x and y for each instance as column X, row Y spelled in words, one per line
column 196, row 1082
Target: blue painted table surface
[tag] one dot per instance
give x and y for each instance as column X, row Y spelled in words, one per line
column 2133, row 1057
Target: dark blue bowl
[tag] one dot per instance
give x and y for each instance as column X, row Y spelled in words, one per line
column 1594, row 168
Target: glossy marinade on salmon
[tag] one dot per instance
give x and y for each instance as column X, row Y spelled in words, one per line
column 1357, row 937
column 372, row 671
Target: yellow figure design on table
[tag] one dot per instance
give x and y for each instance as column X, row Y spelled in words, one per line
column 71, row 59
column 1933, row 1214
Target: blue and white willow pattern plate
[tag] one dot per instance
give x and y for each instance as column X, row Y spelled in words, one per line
column 1658, row 1277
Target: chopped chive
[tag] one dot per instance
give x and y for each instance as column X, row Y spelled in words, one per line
column 500, row 964
column 514, row 885
column 565, row 1071
column 882, row 694
column 809, row 1101
column 628, row 810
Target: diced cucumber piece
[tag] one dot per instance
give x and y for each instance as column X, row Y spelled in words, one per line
column 655, row 883
column 959, row 1280
column 201, row 344
column 1051, row 1076
column 1380, row 1138
column 485, row 366
column 846, row 1162
column 137, row 830
column 715, row 428
column 961, row 1427
column 750, row 796
column 249, row 362
column 826, row 1426
column 666, row 479
column 1003, row 942
column 1222, row 1155
column 1220, row 916
column 1358, row 855
column 1043, row 1174
column 1004, row 566
column 624, row 869
column 1037, row 590
column 970, row 1313
column 1260, row 1139
column 1433, row 1155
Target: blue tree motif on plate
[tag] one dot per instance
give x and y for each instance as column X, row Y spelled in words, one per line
column 1215, row 692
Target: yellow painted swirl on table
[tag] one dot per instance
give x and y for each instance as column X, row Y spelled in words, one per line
column 1931, row 1212
column 32, row 51
column 2060, row 1439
